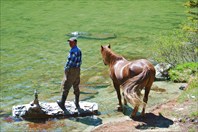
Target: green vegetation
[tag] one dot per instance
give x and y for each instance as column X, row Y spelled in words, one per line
column 191, row 91
column 176, row 47
column 183, row 72
column 191, row 95
column 191, row 25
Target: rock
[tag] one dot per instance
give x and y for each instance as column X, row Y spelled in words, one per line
column 183, row 86
column 36, row 110
column 162, row 71
column 50, row 110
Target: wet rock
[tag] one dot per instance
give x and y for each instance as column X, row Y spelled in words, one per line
column 183, row 86
column 36, row 109
column 195, row 121
column 48, row 110
column 181, row 120
column 162, row 71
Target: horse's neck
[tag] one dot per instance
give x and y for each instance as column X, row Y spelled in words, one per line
column 114, row 57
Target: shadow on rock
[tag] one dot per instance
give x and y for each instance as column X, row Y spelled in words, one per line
column 151, row 120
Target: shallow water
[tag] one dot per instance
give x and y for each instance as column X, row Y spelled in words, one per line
column 103, row 94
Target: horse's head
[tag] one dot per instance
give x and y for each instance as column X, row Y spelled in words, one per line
column 105, row 56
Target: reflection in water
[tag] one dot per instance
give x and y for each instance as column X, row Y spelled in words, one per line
column 42, row 125
column 10, row 119
column 54, row 123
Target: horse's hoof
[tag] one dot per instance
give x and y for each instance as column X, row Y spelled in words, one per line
column 132, row 117
column 119, row 108
column 142, row 114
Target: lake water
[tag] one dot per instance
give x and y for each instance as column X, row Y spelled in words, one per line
column 104, row 95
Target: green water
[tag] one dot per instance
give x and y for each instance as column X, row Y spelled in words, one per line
column 106, row 98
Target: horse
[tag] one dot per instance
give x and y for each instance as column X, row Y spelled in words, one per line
column 131, row 77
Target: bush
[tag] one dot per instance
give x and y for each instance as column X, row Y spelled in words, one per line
column 191, row 25
column 183, row 72
column 176, row 48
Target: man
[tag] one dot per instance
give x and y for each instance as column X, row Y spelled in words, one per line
column 72, row 74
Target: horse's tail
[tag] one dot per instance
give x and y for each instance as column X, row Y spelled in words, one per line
column 133, row 86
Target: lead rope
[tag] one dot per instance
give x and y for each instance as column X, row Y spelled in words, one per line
column 91, row 67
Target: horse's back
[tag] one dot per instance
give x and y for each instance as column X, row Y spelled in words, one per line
column 148, row 69
column 138, row 66
column 123, row 69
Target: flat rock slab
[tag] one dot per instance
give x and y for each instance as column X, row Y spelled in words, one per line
column 52, row 110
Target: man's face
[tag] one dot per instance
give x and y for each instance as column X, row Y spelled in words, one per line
column 72, row 44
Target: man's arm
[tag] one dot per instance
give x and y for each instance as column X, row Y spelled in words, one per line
column 71, row 61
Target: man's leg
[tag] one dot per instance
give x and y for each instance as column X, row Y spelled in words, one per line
column 66, row 87
column 76, row 89
column 61, row 103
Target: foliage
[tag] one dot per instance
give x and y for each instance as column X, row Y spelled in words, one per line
column 176, row 48
column 183, row 72
column 191, row 93
column 191, row 24
column 191, row 3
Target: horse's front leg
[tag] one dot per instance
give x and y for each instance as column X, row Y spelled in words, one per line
column 117, row 88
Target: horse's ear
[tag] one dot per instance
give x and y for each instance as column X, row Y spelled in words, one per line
column 109, row 46
column 101, row 47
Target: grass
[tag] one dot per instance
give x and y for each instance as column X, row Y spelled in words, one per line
column 191, row 92
column 34, row 48
column 184, row 72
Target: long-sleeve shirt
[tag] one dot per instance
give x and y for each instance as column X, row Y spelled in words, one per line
column 74, row 58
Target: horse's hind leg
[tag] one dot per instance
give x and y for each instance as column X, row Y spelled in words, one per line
column 135, row 110
column 145, row 99
column 125, row 101
column 117, row 88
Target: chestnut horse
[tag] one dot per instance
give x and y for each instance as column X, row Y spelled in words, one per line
column 132, row 76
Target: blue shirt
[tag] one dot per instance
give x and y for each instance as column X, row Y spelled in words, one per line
column 74, row 58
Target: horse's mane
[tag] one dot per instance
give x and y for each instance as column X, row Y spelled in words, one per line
column 114, row 57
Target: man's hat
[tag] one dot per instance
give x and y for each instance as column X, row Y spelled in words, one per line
column 72, row 39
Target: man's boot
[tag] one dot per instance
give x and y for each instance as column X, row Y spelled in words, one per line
column 61, row 103
column 77, row 101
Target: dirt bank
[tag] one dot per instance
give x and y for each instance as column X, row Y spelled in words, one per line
column 170, row 116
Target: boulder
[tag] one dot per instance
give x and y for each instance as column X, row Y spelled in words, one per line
column 162, row 71
column 51, row 110
column 36, row 109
